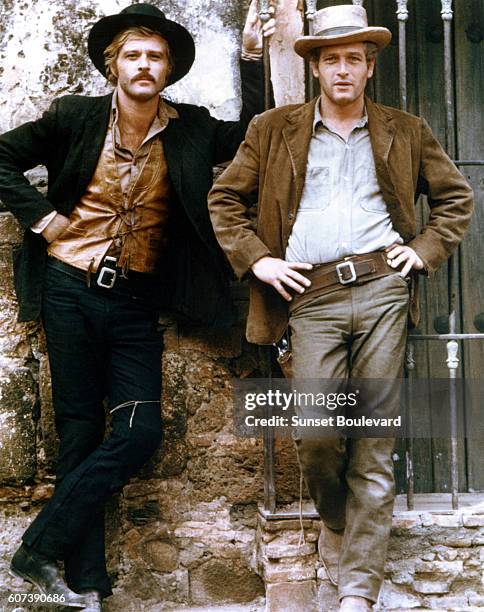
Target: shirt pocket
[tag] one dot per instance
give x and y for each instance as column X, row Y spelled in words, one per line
column 317, row 189
column 368, row 191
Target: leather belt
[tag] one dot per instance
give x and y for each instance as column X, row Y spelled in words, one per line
column 108, row 278
column 336, row 275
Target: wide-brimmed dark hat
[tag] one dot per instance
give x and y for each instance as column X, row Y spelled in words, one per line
column 181, row 43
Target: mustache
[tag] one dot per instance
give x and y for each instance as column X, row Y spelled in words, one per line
column 146, row 76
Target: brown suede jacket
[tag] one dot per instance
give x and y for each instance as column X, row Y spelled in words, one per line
column 269, row 169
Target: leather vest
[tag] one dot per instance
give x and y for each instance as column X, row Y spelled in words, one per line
column 133, row 226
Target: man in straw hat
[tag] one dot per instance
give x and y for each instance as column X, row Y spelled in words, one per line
column 333, row 258
column 123, row 232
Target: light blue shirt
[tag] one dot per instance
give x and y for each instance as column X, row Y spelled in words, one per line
column 342, row 211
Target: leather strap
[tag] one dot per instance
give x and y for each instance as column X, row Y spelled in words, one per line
column 344, row 273
column 138, row 283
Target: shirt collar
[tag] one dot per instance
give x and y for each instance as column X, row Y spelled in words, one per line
column 164, row 114
column 318, row 118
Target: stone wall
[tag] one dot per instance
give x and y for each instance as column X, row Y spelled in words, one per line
column 435, row 562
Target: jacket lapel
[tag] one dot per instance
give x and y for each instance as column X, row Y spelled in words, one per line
column 92, row 138
column 382, row 133
column 297, row 136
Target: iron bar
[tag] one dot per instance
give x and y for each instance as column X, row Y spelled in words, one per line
column 409, row 474
column 470, row 162
column 402, row 16
column 264, row 16
column 453, row 364
column 288, row 516
column 446, row 337
column 310, row 12
column 447, row 16
column 452, row 346
column 268, row 437
column 264, row 351
column 269, row 476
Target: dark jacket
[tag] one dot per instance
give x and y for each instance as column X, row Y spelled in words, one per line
column 68, row 140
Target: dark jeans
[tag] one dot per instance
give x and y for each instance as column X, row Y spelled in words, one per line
column 101, row 343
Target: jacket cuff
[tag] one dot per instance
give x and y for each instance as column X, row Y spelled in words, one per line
column 39, row 226
column 28, row 218
column 430, row 260
column 250, row 57
column 253, row 250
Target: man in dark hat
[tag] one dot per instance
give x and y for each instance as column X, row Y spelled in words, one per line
column 330, row 258
column 123, row 233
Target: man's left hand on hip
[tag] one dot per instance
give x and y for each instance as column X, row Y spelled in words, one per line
column 398, row 254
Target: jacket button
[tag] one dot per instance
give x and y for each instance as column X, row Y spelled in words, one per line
column 290, row 216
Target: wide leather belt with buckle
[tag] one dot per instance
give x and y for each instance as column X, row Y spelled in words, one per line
column 339, row 274
column 109, row 277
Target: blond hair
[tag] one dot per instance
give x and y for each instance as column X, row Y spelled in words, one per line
column 111, row 52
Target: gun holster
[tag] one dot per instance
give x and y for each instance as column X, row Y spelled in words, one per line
column 284, row 354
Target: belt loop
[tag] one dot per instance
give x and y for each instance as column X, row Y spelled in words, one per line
column 89, row 272
column 125, row 267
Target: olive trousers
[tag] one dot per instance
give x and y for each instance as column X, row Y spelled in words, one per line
column 359, row 332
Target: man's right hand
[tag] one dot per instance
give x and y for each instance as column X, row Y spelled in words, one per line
column 55, row 228
column 254, row 32
column 277, row 272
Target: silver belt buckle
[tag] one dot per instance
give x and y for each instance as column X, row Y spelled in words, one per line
column 107, row 276
column 341, row 274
